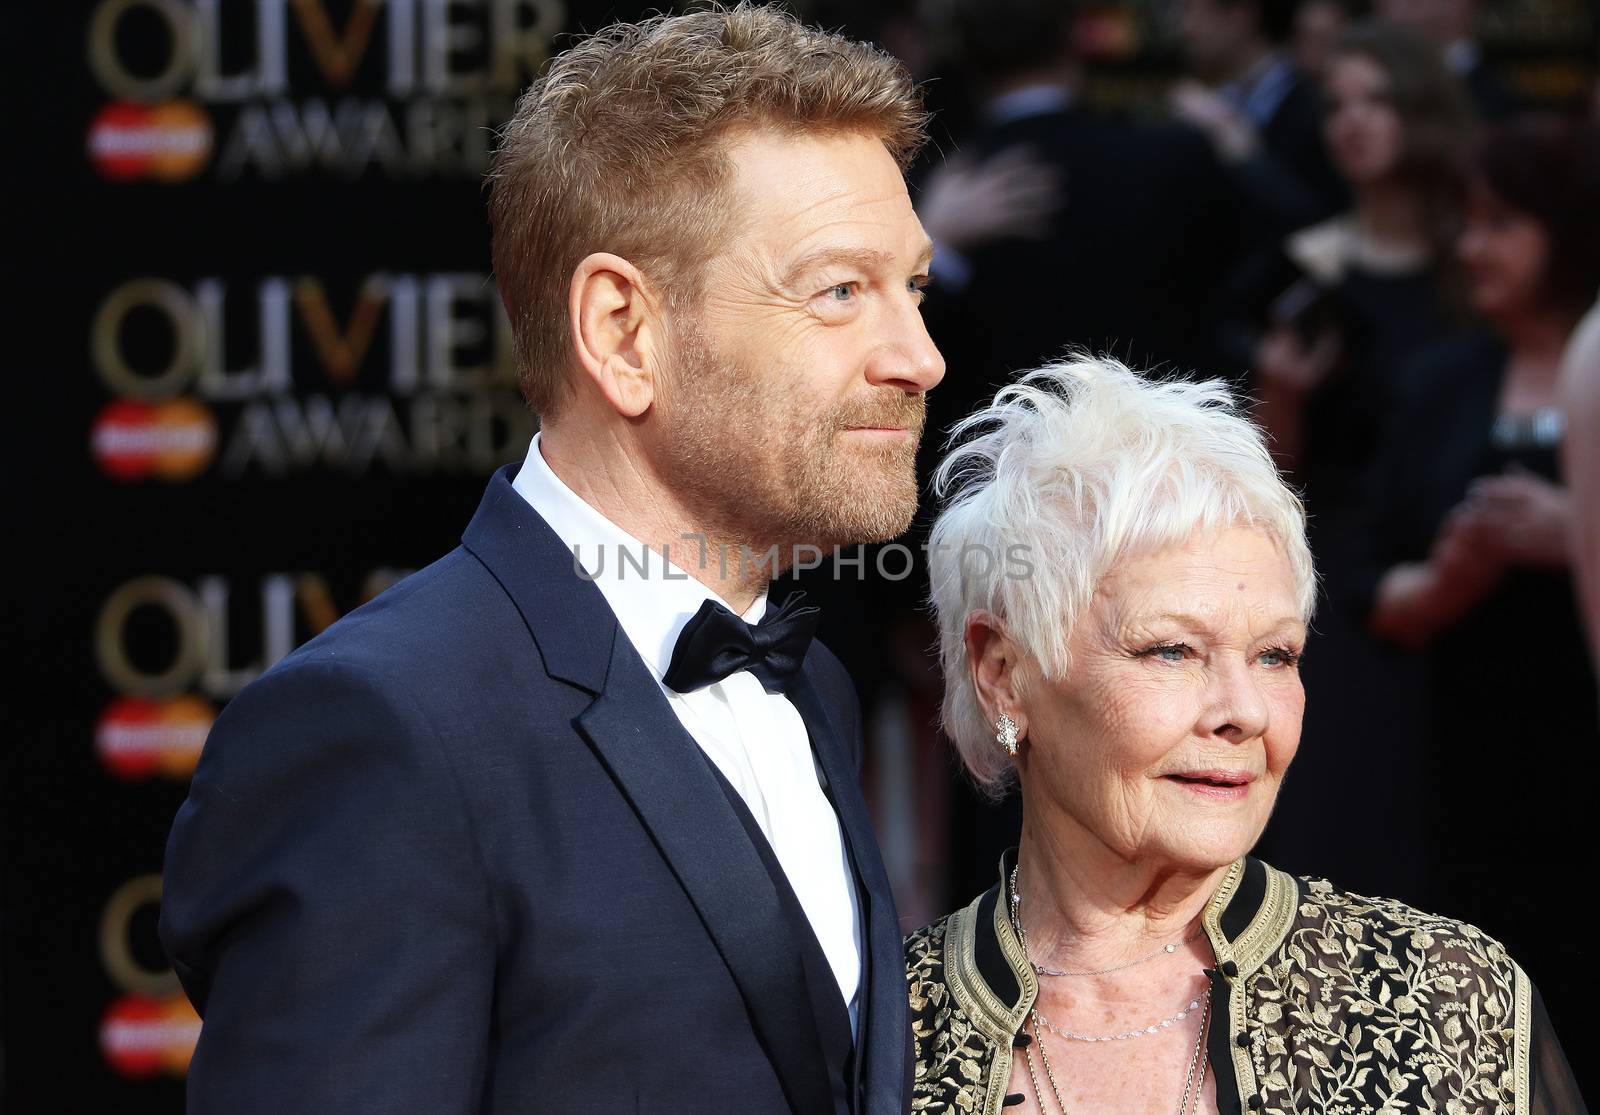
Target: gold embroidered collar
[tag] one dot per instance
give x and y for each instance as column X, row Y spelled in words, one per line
column 991, row 979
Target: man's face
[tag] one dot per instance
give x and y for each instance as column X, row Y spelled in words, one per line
column 794, row 404
column 1211, row 31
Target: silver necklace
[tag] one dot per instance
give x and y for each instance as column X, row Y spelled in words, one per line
column 1191, row 1086
column 1164, row 950
column 1197, row 1059
column 1154, row 1028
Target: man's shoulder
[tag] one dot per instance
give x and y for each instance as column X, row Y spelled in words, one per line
column 410, row 620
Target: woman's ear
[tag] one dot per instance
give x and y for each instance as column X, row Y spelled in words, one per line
column 996, row 664
column 616, row 331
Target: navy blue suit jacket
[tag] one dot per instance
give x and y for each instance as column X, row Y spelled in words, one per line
column 457, row 854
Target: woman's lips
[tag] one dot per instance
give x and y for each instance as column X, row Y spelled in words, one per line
column 1225, row 785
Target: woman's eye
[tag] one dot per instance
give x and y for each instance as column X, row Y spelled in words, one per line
column 1279, row 656
column 1166, row 652
column 841, row 292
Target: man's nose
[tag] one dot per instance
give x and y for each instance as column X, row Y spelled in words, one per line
column 908, row 358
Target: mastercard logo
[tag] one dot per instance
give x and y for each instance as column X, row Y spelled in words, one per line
column 167, row 142
column 137, row 738
column 134, row 440
column 143, row 1037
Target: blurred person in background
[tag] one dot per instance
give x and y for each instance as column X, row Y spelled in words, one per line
column 1147, row 203
column 1580, row 403
column 1318, row 26
column 1452, row 26
column 1138, row 682
column 1355, row 298
column 1475, row 526
column 1261, row 113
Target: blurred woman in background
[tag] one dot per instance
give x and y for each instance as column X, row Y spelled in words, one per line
column 1475, row 523
column 1359, row 293
column 1357, row 297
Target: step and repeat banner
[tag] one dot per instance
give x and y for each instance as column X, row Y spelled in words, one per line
column 278, row 376
column 259, row 372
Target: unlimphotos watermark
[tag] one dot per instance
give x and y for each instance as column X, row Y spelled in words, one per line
column 894, row 561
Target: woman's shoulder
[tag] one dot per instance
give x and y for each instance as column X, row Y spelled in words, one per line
column 955, row 1050
column 1386, row 932
column 1322, row 251
column 924, row 950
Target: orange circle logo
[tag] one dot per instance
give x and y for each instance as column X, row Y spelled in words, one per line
column 136, row 738
column 134, row 440
column 168, row 142
column 142, row 1037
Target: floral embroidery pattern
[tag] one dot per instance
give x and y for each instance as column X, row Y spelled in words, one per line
column 1365, row 1006
column 952, row 1057
column 1371, row 1006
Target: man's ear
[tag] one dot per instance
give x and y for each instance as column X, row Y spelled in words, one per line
column 996, row 665
column 616, row 331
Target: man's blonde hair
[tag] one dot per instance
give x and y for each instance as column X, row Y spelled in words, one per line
column 618, row 148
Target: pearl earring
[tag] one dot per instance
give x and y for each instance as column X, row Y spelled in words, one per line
column 1006, row 734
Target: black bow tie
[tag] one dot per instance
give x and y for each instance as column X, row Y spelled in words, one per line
column 717, row 643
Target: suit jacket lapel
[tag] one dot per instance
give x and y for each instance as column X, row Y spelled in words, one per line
column 656, row 765
column 883, row 1044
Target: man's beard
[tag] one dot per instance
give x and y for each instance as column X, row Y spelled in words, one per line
column 763, row 468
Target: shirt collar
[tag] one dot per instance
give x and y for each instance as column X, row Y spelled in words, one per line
column 1461, row 56
column 1259, row 93
column 653, row 597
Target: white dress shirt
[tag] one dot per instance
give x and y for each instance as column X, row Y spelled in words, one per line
column 757, row 739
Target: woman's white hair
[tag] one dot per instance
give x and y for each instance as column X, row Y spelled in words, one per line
column 1074, row 467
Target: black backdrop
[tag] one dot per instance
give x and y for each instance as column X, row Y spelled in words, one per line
column 262, row 372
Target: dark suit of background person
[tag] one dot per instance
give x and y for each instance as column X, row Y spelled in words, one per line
column 1286, row 181
column 1123, row 266
column 1264, row 118
column 457, row 854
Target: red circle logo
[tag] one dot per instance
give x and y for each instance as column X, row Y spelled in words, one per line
column 133, row 440
column 136, row 738
column 168, row 142
column 142, row 1037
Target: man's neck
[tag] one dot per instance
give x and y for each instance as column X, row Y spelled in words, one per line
column 617, row 481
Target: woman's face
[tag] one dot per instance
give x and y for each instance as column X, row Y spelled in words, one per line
column 1169, row 737
column 1504, row 252
column 1364, row 132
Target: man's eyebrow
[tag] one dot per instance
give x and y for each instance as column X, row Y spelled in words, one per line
column 867, row 259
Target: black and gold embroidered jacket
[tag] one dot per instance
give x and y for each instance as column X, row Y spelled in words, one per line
column 1325, row 1002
